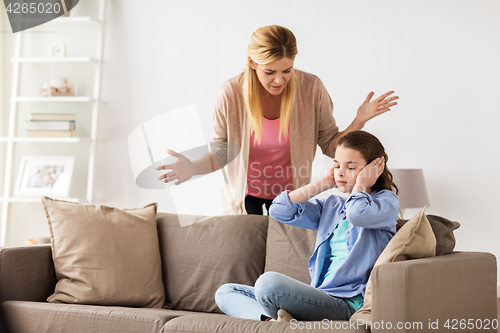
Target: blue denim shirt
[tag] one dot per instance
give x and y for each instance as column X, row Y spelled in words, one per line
column 372, row 223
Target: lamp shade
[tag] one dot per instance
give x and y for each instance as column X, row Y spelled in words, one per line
column 411, row 185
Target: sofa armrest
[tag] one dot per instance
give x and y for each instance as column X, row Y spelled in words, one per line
column 460, row 285
column 26, row 273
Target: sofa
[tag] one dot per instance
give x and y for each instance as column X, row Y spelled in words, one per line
column 435, row 294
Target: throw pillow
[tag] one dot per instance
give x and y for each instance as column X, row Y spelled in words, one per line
column 104, row 255
column 443, row 230
column 414, row 240
column 207, row 253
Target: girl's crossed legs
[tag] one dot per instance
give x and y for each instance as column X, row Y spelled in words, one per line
column 274, row 291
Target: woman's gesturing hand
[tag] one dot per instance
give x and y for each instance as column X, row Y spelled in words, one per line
column 182, row 169
column 368, row 176
column 370, row 109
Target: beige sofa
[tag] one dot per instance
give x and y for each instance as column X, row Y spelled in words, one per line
column 198, row 258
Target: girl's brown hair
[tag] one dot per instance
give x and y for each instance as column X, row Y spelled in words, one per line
column 370, row 148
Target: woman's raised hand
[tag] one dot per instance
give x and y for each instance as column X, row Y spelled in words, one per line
column 368, row 176
column 182, row 169
column 370, row 109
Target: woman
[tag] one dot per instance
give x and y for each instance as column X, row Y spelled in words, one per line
column 272, row 116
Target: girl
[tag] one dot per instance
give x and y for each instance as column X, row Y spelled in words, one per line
column 275, row 116
column 352, row 233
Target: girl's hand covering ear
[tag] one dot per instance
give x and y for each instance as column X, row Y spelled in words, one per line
column 329, row 179
column 370, row 173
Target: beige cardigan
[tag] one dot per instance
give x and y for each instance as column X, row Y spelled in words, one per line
column 311, row 124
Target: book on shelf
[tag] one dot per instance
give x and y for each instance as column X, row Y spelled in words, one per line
column 52, row 116
column 55, row 125
column 49, row 134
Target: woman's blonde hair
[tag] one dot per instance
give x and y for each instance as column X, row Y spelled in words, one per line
column 268, row 44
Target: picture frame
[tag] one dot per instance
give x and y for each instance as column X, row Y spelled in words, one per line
column 44, row 175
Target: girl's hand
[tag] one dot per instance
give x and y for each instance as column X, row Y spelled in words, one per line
column 182, row 169
column 369, row 110
column 314, row 188
column 369, row 175
column 328, row 181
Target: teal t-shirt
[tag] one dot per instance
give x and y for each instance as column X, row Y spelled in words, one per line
column 339, row 252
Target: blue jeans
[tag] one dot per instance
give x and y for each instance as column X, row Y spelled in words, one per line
column 274, row 291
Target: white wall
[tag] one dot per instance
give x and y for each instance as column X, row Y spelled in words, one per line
column 441, row 58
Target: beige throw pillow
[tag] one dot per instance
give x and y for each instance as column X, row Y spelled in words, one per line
column 414, row 240
column 104, row 255
column 443, row 231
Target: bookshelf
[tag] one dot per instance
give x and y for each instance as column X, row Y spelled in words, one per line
column 46, row 140
column 37, row 200
column 48, row 60
column 16, row 138
column 55, row 99
column 74, row 20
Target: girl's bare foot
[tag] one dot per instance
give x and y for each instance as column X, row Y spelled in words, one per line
column 283, row 315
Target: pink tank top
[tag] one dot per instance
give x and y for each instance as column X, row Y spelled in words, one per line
column 269, row 163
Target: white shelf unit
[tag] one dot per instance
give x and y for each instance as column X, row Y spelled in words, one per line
column 74, row 20
column 46, row 139
column 53, row 60
column 66, row 99
column 37, row 200
column 12, row 138
column 64, row 20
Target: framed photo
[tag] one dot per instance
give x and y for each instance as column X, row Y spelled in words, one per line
column 44, row 175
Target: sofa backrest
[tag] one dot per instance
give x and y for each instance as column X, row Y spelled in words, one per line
column 198, row 258
column 288, row 250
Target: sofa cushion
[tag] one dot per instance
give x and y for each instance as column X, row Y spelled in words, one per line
column 289, row 249
column 42, row 317
column 414, row 240
column 215, row 323
column 443, row 231
column 200, row 257
column 104, row 255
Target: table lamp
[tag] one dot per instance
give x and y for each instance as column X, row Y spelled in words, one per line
column 411, row 185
